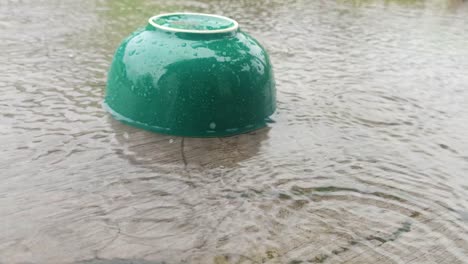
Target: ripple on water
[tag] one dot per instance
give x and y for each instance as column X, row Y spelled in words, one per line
column 366, row 162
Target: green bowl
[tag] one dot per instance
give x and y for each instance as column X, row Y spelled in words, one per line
column 190, row 74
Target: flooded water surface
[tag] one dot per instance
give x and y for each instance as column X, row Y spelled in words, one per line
column 367, row 161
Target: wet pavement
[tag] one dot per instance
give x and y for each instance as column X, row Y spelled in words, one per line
column 367, row 161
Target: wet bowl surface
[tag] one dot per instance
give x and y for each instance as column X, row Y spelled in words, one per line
column 191, row 75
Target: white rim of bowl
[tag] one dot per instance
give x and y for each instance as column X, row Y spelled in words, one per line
column 225, row 30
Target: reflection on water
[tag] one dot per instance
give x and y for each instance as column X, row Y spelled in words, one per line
column 159, row 151
column 366, row 162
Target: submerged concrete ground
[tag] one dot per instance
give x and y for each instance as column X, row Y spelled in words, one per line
column 366, row 162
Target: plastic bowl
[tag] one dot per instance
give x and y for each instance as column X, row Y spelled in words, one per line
column 190, row 74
